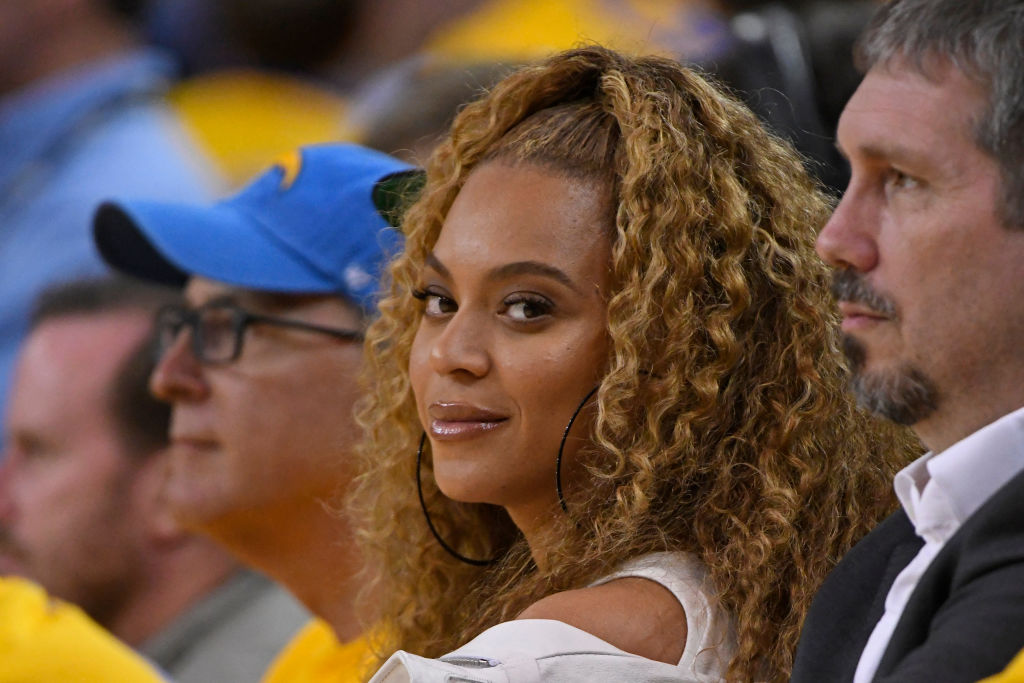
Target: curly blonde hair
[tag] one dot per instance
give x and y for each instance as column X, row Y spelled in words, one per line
column 723, row 427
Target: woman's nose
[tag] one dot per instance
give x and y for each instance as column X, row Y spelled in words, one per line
column 461, row 346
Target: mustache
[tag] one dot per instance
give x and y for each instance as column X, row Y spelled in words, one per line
column 849, row 286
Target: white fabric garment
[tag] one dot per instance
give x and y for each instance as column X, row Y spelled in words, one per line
column 710, row 638
column 534, row 650
column 938, row 493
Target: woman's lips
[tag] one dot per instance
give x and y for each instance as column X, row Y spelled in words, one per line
column 452, row 420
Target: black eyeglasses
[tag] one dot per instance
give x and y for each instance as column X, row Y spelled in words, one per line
column 218, row 329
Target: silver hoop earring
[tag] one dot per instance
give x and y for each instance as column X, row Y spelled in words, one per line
column 430, row 524
column 561, row 447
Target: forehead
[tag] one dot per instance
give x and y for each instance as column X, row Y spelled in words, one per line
column 524, row 212
column 67, row 363
column 319, row 308
column 200, row 290
column 900, row 113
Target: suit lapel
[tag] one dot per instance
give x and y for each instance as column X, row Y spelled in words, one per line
column 988, row 540
column 852, row 600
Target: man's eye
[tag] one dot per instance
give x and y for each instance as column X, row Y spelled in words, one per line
column 31, row 449
column 898, row 180
column 217, row 326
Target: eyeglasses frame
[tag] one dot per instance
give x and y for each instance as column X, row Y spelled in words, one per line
column 241, row 319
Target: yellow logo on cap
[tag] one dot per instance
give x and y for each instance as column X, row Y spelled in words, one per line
column 291, row 164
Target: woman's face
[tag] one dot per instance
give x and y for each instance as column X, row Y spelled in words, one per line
column 513, row 334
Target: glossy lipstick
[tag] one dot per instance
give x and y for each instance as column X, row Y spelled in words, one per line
column 454, row 420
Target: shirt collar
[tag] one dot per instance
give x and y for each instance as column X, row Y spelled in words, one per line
column 939, row 492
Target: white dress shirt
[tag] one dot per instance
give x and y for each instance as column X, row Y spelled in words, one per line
column 938, row 493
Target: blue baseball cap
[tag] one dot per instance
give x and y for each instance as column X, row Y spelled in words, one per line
column 319, row 221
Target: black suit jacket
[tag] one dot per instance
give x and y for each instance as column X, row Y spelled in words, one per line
column 964, row 620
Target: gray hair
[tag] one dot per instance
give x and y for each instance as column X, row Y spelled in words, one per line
column 984, row 39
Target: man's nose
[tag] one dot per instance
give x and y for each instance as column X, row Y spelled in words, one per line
column 848, row 239
column 178, row 375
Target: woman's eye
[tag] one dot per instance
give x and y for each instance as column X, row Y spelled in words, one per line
column 435, row 304
column 523, row 309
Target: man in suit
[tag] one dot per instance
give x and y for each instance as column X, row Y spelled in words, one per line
column 928, row 243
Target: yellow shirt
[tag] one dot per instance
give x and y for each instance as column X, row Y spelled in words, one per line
column 1014, row 673
column 43, row 640
column 525, row 30
column 314, row 655
column 243, row 120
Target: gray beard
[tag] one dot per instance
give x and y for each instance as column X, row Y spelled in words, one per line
column 904, row 395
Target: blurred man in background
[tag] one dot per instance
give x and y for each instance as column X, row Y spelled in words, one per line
column 261, row 369
column 81, row 117
column 81, row 505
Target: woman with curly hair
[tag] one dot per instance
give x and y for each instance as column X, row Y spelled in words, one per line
column 607, row 412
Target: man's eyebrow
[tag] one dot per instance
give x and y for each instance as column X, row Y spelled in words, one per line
column 888, row 152
column 511, row 270
column 218, row 300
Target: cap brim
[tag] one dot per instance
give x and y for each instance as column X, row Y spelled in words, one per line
column 168, row 243
column 395, row 193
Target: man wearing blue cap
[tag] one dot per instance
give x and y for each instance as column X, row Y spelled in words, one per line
column 278, row 282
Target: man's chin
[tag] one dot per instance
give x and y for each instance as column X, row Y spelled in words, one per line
column 904, row 395
column 11, row 566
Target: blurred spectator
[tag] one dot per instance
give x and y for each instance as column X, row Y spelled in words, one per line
column 407, row 107
column 81, row 118
column 254, row 88
column 261, row 369
column 408, row 65
column 243, row 119
column 528, row 30
column 43, row 640
column 790, row 61
column 345, row 41
column 408, row 111
column 294, row 35
column 81, row 504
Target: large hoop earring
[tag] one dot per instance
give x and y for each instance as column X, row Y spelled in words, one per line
column 430, row 524
column 561, row 447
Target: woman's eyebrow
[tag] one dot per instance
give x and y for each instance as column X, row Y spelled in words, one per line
column 511, row 270
column 532, row 268
column 433, row 262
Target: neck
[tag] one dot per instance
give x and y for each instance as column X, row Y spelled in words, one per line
column 172, row 584
column 959, row 417
column 308, row 549
column 540, row 528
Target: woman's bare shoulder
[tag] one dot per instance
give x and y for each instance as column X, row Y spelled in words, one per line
column 633, row 614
